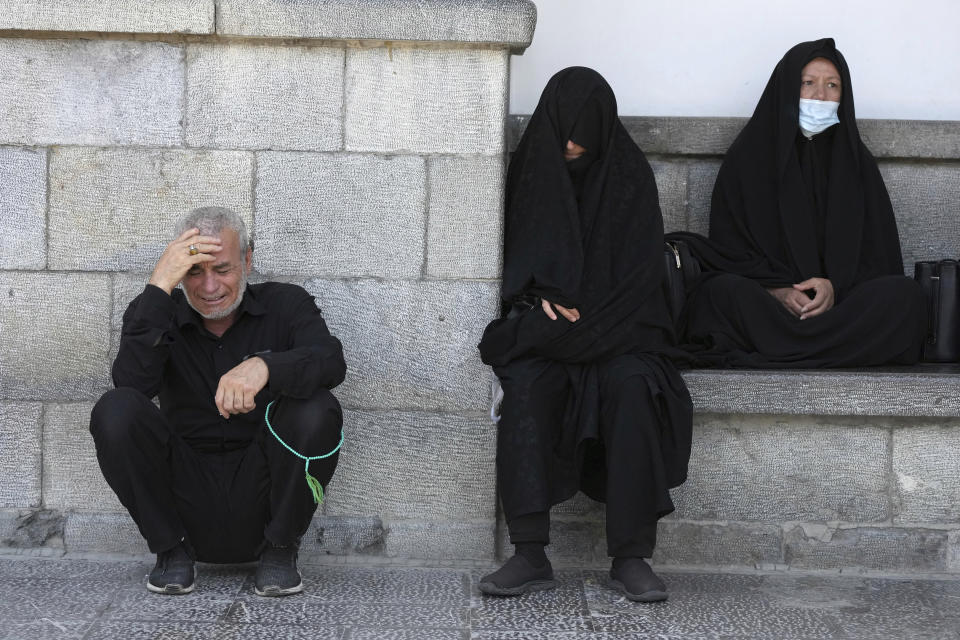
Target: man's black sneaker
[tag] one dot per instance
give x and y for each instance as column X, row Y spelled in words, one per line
column 277, row 573
column 517, row 576
column 634, row 578
column 173, row 574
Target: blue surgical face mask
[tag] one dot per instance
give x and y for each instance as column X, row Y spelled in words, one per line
column 817, row 115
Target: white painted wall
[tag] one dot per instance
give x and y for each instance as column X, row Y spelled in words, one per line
column 713, row 57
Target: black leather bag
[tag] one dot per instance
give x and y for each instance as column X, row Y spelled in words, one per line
column 682, row 269
column 939, row 282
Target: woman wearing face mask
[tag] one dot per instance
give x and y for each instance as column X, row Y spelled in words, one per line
column 803, row 226
column 591, row 401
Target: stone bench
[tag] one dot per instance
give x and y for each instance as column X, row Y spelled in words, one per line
column 852, row 470
column 825, row 469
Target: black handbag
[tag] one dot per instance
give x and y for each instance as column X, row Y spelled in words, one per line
column 939, row 282
column 682, row 270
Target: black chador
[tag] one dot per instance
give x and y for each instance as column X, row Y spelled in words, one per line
column 790, row 205
column 595, row 403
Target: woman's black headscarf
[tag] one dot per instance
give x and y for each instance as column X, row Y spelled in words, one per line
column 586, row 234
column 763, row 206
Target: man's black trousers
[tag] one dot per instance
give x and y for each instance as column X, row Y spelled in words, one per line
column 224, row 504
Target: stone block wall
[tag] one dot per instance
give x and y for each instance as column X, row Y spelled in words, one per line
column 363, row 142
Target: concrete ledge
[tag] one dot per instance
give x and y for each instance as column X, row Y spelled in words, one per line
column 925, row 390
column 509, row 23
column 917, row 139
column 505, row 24
column 153, row 16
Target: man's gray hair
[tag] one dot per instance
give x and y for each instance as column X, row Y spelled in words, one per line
column 212, row 220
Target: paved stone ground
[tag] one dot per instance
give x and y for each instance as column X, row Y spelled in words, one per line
column 76, row 598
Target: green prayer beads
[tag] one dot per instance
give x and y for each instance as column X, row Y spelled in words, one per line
column 315, row 487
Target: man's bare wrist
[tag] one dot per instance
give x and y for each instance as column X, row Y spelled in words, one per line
column 160, row 285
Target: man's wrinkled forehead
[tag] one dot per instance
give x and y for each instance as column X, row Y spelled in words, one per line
column 231, row 254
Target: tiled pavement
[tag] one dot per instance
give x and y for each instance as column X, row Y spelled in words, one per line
column 59, row 598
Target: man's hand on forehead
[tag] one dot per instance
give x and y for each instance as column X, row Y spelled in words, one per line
column 189, row 249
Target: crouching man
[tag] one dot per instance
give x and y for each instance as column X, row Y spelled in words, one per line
column 206, row 476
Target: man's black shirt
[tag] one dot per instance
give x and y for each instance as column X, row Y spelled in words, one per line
column 165, row 351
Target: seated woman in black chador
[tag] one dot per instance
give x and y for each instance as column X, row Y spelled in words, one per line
column 808, row 236
column 591, row 400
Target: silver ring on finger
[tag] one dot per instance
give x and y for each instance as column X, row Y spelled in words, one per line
column 193, row 250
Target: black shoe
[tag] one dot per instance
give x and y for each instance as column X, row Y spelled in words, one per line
column 277, row 573
column 517, row 576
column 173, row 574
column 634, row 578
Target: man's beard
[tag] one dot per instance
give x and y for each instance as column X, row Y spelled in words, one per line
column 223, row 313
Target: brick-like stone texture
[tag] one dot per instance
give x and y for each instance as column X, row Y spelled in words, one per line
column 340, row 214
column 102, row 533
column 571, row 541
column 700, row 181
column 671, row 179
column 91, row 92
column 817, row 546
column 727, row 544
column 55, row 332
column 421, row 466
column 9, row 520
column 265, row 97
column 775, row 468
column 441, row 540
column 345, row 536
column 926, row 468
column 683, row 136
column 71, row 474
column 911, row 138
column 410, row 345
column 20, row 453
column 23, row 200
column 465, row 226
column 931, row 139
column 893, row 391
column 925, row 200
column 426, row 101
column 31, row 529
column 510, row 22
column 126, row 287
column 156, row 16
column 116, row 209
column 953, row 551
